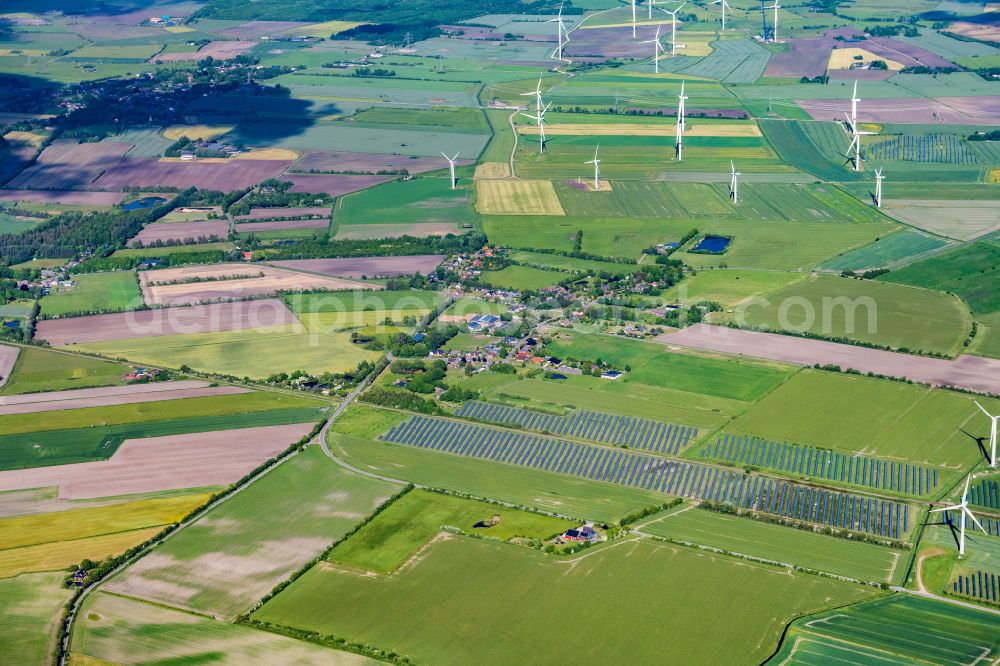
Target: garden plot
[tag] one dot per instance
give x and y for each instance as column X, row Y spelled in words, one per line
column 182, row 232
column 196, row 460
column 213, row 318
column 517, row 197
column 233, row 555
column 195, row 284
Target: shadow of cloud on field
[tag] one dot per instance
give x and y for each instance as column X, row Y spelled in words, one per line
column 261, row 120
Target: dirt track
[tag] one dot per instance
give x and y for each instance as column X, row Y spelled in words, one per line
column 163, row 463
column 117, row 395
column 969, row 372
column 214, row 318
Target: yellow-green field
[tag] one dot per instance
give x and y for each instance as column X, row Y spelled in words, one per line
column 517, row 197
column 61, row 554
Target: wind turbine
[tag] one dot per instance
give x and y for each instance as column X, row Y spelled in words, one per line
column 774, row 28
column 451, row 164
column 673, row 30
column 680, row 124
column 734, row 183
column 993, row 434
column 633, row 19
column 536, row 93
column 649, row 5
column 854, row 104
column 540, row 121
column 560, row 30
column 878, row 204
column 723, row 5
column 855, row 144
column 963, row 510
column 597, row 169
column 657, row 49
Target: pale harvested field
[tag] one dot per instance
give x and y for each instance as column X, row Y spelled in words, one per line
column 180, row 231
column 213, row 318
column 60, row 400
column 8, row 356
column 959, row 219
column 267, row 154
column 271, row 213
column 253, row 227
column 983, row 31
column 197, row 460
column 493, row 170
column 61, row 554
column 224, row 283
column 418, row 230
column 970, row 372
column 844, row 58
column 218, row 50
column 367, row 266
column 517, row 197
column 206, row 132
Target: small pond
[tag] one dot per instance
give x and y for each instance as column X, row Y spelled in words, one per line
column 143, row 203
column 713, row 244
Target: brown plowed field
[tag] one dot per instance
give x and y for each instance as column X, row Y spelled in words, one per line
column 102, row 392
column 8, row 356
column 217, row 50
column 371, row 163
column 69, row 198
column 119, row 399
column 214, row 318
column 220, row 286
column 163, row 463
column 368, row 266
column 249, row 227
column 332, row 184
column 970, row 372
column 180, row 231
column 271, row 213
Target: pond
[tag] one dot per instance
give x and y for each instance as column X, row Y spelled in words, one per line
column 143, row 203
column 713, row 244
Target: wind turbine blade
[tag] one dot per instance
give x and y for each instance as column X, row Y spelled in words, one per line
column 946, row 508
column 975, row 520
column 968, row 479
column 982, row 409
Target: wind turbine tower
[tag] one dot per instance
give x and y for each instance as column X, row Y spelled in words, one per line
column 451, row 165
column 561, row 33
column 633, row 19
column 649, row 5
column 723, row 5
column 540, row 122
column 878, row 204
column 765, row 31
column 680, row 124
column 673, row 28
column 734, row 183
column 854, row 105
column 964, row 512
column 855, row 146
column 774, row 25
column 993, row 434
column 657, row 49
column 597, row 169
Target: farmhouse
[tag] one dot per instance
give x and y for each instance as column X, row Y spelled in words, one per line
column 584, row 533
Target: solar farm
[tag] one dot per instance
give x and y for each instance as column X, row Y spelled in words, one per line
column 499, row 332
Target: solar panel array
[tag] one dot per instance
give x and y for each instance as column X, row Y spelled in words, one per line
column 823, row 464
column 639, row 470
column 985, row 493
column 636, row 433
column 980, row 585
column 991, row 525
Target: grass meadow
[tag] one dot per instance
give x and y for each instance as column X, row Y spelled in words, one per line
column 873, row 416
column 969, row 271
column 31, row 605
column 877, row 313
column 43, row 370
column 420, row 200
column 94, row 292
column 116, row 630
column 898, row 629
column 523, row 278
column 888, row 252
column 729, row 287
column 397, row 533
column 436, row 612
column 230, row 557
column 777, row 543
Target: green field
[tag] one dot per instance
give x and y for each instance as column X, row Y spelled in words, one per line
column 777, row 543
column 564, row 263
column 895, row 249
column 467, row 306
column 523, row 278
column 879, row 417
column 94, row 292
column 421, row 200
column 98, row 442
column 397, row 533
column 42, row 370
column 652, row 364
column 116, row 630
column 899, row 629
column 250, row 352
column 877, row 313
column 236, row 553
column 463, row 585
column 728, row 287
column 31, row 605
column 968, row 270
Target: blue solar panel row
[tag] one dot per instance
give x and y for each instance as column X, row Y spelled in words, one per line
column 985, row 493
column 638, row 470
column 981, row 585
column 636, row 433
column 822, row 463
